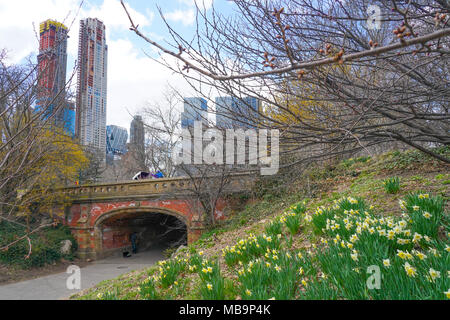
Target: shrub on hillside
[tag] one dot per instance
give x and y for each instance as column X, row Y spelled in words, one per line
column 392, row 185
column 46, row 245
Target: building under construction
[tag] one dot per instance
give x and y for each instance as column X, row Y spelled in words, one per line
column 52, row 67
column 52, row 59
column 91, row 84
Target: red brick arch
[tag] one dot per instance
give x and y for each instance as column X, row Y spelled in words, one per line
column 144, row 209
column 86, row 220
column 99, row 240
column 93, row 204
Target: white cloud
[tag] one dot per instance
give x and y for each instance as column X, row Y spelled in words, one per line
column 113, row 15
column 186, row 17
column 134, row 80
column 18, row 16
column 207, row 4
column 16, row 23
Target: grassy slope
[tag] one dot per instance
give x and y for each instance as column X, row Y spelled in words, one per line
column 353, row 177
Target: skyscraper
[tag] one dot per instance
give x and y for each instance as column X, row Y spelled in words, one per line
column 116, row 140
column 195, row 109
column 251, row 107
column 229, row 109
column 52, row 66
column 91, row 84
column 224, row 116
column 137, row 134
column 69, row 118
column 52, row 60
column 116, row 143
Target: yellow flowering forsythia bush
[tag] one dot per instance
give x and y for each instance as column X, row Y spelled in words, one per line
column 360, row 255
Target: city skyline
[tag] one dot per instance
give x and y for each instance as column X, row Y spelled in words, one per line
column 91, row 116
column 133, row 78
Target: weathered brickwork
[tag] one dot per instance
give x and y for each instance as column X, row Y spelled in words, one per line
column 92, row 206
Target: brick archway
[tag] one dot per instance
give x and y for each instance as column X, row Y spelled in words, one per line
column 145, row 209
column 99, row 238
column 87, row 219
column 91, row 205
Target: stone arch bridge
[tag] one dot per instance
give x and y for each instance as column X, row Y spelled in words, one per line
column 102, row 216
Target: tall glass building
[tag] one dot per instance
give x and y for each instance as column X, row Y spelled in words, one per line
column 69, row 118
column 195, row 109
column 229, row 109
column 224, row 118
column 92, row 84
column 116, row 140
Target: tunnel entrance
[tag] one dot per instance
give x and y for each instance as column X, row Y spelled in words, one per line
column 153, row 231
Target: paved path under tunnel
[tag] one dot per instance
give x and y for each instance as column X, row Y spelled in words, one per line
column 53, row 287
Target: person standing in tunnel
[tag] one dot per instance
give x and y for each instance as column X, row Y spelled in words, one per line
column 133, row 238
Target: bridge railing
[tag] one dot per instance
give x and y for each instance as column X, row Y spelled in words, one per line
column 151, row 187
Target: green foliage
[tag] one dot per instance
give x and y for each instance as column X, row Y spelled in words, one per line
column 231, row 290
column 392, row 185
column 273, row 276
column 401, row 160
column 147, row 290
column 292, row 218
column 293, row 221
column 212, row 285
column 253, row 246
column 109, row 295
column 299, row 208
column 169, row 271
column 349, row 162
column 169, row 252
column 46, row 245
column 425, row 211
column 413, row 265
column 319, row 219
column 274, row 228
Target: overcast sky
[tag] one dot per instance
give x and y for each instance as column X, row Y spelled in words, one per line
column 133, row 78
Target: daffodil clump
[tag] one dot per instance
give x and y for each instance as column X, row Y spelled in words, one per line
column 410, row 252
column 254, row 246
column 292, row 220
column 412, row 265
column 275, row 275
column 165, row 277
column 299, row 208
column 147, row 289
column 426, row 213
column 107, row 295
column 275, row 227
column 170, row 275
column 319, row 219
column 322, row 214
column 212, row 282
column 392, row 185
column 170, row 269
